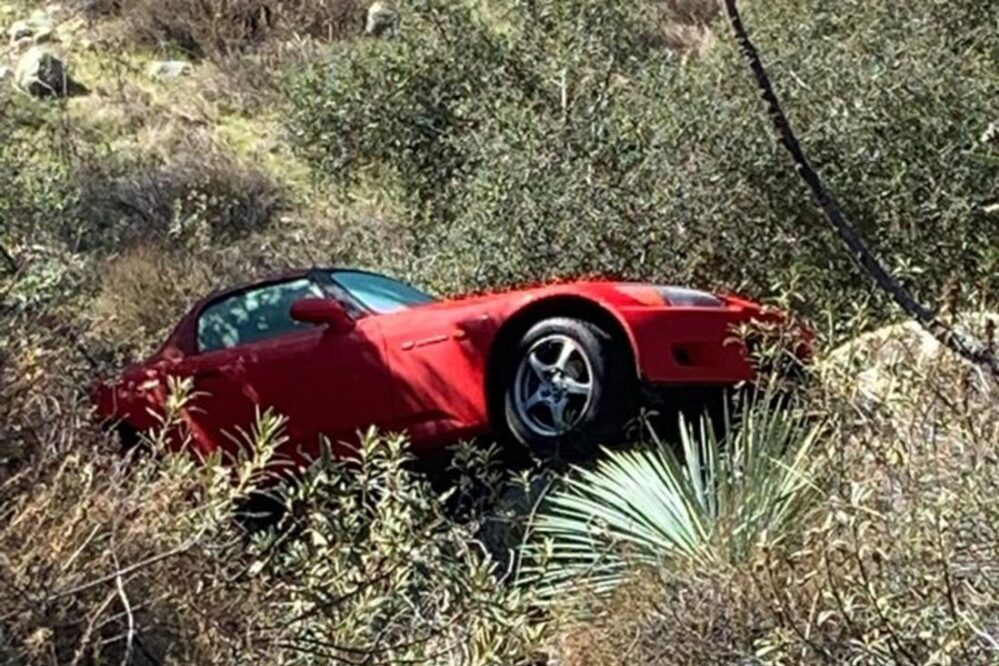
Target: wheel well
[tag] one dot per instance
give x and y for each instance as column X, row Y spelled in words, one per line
column 574, row 307
column 128, row 435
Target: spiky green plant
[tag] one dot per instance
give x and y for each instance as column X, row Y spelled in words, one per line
column 716, row 503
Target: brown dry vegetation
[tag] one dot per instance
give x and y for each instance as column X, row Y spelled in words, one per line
column 147, row 290
column 217, row 28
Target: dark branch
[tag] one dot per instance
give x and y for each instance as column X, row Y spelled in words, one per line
column 958, row 342
column 8, row 258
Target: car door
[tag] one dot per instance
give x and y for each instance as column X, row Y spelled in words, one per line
column 252, row 356
column 438, row 359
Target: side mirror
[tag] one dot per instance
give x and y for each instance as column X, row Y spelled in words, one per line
column 324, row 312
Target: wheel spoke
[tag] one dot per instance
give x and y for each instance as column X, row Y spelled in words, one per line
column 558, row 415
column 539, row 368
column 564, row 354
column 535, row 399
column 575, row 387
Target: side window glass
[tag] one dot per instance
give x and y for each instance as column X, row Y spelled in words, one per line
column 253, row 315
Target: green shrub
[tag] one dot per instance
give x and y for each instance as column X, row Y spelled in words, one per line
column 378, row 568
column 559, row 141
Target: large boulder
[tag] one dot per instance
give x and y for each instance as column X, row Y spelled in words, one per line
column 885, row 365
column 383, row 18
column 37, row 28
column 163, row 70
column 42, row 73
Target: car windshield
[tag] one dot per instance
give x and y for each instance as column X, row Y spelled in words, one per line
column 379, row 293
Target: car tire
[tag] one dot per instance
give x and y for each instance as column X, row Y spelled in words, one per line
column 570, row 387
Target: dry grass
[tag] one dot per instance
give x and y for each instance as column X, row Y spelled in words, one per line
column 693, row 12
column 665, row 619
column 146, row 290
column 689, row 26
column 110, row 560
column 195, row 195
column 218, row 28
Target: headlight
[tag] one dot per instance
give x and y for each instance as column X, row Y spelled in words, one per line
column 678, row 296
column 689, row 298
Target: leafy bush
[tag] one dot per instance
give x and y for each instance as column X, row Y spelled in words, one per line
column 558, row 142
column 112, row 560
column 378, row 569
column 33, row 172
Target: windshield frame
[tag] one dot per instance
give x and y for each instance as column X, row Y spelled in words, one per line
column 328, row 278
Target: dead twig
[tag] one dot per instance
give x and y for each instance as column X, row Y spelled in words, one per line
column 120, row 587
column 12, row 265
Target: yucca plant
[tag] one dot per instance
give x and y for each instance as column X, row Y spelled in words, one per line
column 714, row 503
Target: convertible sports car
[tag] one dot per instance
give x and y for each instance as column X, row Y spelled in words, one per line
column 336, row 351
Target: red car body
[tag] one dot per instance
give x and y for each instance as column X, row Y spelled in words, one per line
column 429, row 370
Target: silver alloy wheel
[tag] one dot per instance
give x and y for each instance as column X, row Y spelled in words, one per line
column 553, row 387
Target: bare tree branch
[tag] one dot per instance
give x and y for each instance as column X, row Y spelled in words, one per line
column 957, row 341
column 126, row 658
column 8, row 258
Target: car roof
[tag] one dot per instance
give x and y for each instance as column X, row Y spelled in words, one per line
column 274, row 278
column 179, row 337
column 269, row 278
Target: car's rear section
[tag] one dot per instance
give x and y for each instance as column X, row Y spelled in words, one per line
column 130, row 404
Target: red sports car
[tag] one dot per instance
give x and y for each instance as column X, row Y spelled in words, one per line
column 336, row 351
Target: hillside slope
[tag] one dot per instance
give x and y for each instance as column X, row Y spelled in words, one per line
column 476, row 145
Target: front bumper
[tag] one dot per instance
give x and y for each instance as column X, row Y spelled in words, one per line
column 702, row 345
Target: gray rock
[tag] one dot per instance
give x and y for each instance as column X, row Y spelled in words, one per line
column 41, row 73
column 37, row 28
column 168, row 69
column 382, row 19
column 4, row 73
column 20, row 30
column 887, row 365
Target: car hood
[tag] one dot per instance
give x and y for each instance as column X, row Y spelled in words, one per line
column 609, row 293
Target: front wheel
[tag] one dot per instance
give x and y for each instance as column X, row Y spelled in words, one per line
column 570, row 384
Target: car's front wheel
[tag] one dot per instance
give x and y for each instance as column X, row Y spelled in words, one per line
column 570, row 385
